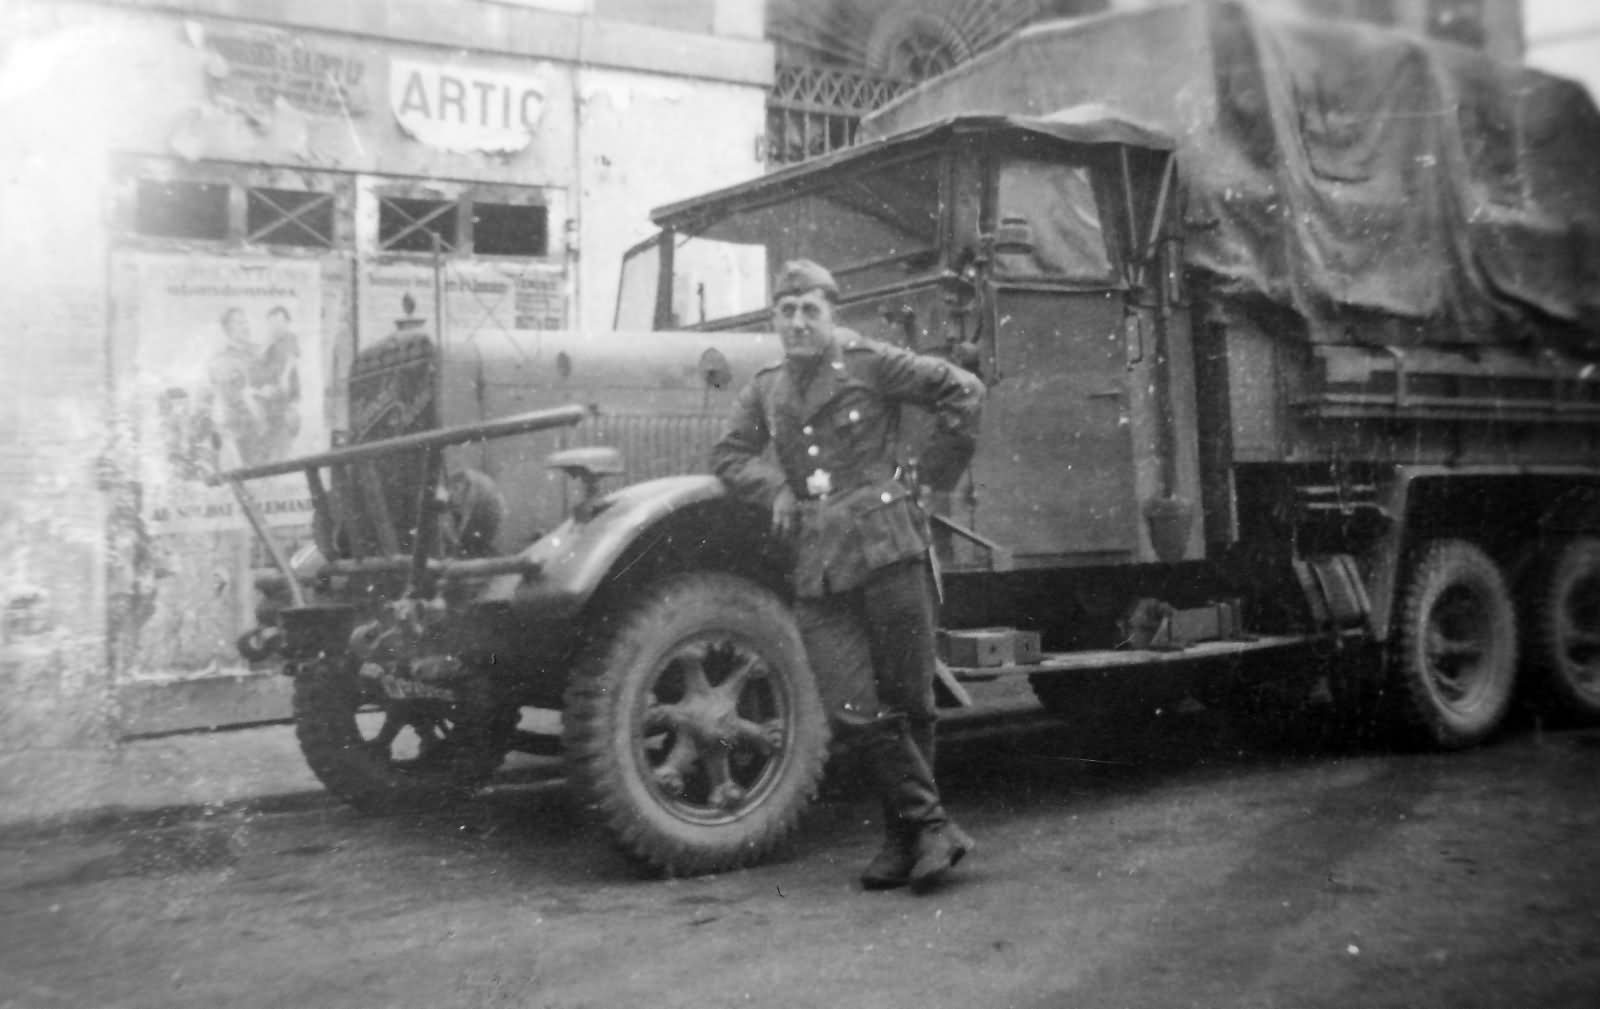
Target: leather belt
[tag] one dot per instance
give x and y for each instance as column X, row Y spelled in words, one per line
column 822, row 484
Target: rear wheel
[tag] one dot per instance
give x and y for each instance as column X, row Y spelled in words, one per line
column 1455, row 656
column 383, row 755
column 1564, row 630
column 693, row 725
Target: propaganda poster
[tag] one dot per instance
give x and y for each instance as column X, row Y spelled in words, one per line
column 229, row 374
column 227, row 369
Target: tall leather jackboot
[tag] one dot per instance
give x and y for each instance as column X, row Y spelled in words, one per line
column 920, row 832
column 891, row 866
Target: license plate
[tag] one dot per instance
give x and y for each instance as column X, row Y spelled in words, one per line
column 401, row 689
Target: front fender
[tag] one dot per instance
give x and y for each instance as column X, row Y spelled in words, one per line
column 570, row 564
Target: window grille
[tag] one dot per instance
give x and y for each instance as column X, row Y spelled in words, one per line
column 289, row 217
column 412, row 225
column 157, row 201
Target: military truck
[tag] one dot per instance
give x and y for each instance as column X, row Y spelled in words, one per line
column 1291, row 342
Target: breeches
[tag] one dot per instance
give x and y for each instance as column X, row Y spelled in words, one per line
column 872, row 649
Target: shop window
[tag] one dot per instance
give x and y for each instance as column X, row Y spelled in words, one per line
column 182, row 209
column 289, row 217
column 504, row 229
column 415, row 225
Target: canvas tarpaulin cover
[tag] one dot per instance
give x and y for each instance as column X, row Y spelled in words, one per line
column 1378, row 185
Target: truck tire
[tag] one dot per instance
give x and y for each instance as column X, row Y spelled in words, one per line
column 457, row 745
column 1455, row 657
column 693, row 727
column 1563, row 630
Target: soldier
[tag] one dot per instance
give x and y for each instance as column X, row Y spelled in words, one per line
column 864, row 593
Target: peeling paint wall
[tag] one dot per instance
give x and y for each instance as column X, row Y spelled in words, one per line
column 102, row 101
column 648, row 140
column 53, row 403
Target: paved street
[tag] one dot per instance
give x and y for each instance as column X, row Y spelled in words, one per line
column 1181, row 867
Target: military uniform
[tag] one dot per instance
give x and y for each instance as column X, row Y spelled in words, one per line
column 864, row 597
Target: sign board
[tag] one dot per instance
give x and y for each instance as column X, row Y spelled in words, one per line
column 254, row 68
column 462, row 108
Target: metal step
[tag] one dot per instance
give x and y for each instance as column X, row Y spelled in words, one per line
column 1110, row 658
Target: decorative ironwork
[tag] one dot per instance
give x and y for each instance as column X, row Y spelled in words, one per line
column 813, row 110
column 825, row 89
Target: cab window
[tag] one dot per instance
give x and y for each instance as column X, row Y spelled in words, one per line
column 871, row 228
column 1057, row 202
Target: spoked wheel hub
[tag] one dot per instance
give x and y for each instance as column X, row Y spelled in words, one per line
column 1564, row 629
column 414, row 737
column 1578, row 630
column 383, row 753
column 714, row 729
column 1459, row 637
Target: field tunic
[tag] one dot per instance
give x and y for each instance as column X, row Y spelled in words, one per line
column 835, row 441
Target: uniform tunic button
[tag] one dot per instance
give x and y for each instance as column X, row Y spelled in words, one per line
column 887, row 497
column 806, row 430
column 813, row 450
column 855, row 415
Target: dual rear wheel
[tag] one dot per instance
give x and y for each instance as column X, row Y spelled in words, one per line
column 1562, row 630
column 1454, row 665
column 1454, row 668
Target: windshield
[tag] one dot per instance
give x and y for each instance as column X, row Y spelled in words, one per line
column 636, row 292
column 870, row 229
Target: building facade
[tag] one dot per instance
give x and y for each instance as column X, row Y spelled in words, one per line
column 840, row 59
column 207, row 212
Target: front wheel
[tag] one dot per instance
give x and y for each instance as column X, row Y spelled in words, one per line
column 1455, row 658
column 693, row 725
column 383, row 755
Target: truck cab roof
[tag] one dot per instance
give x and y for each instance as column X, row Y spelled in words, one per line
column 1088, row 125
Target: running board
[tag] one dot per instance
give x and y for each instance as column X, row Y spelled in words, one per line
column 1112, row 658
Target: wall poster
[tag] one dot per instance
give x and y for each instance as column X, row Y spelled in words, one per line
column 228, row 371
column 481, row 297
column 224, row 364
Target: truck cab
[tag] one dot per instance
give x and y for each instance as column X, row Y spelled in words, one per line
column 1029, row 250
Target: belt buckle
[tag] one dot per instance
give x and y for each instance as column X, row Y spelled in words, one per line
column 819, row 483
